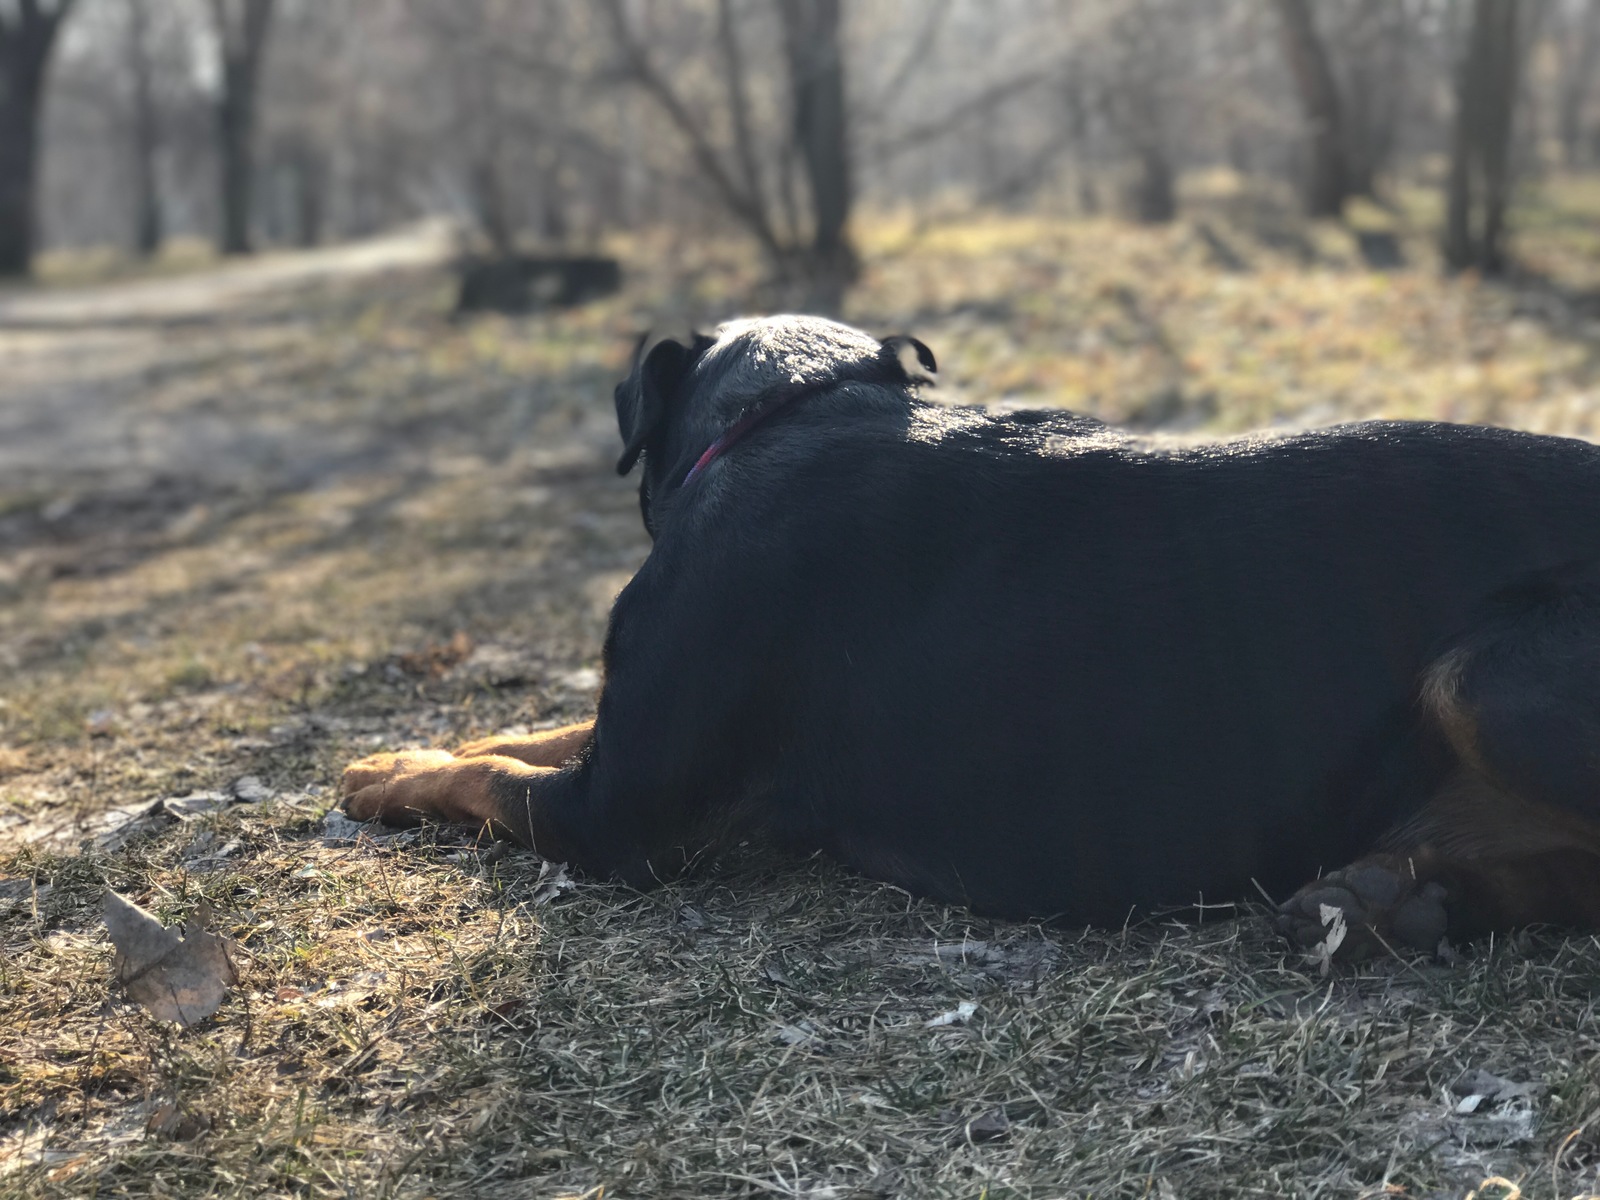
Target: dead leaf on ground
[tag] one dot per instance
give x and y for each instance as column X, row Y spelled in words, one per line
column 803, row 1034
column 116, row 827
column 1488, row 1086
column 177, row 976
column 1333, row 920
column 248, row 789
column 553, row 881
column 992, row 1126
column 435, row 658
column 1493, row 1111
column 959, row 1015
column 340, row 830
column 195, row 804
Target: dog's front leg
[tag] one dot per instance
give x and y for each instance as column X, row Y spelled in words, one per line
column 681, row 725
column 487, row 790
column 631, row 813
column 546, row 748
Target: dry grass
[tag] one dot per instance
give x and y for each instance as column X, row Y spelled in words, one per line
column 249, row 549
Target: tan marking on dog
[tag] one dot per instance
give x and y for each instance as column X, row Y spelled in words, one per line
column 546, row 748
column 414, row 785
column 1506, row 860
column 1472, row 819
column 1441, row 696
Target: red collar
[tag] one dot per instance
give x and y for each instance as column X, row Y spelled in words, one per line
column 778, row 398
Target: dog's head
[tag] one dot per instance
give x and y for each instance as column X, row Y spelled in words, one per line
column 680, row 398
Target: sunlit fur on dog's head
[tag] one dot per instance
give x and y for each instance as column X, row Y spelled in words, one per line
column 679, row 397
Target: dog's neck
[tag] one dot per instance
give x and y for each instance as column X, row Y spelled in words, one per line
column 766, row 405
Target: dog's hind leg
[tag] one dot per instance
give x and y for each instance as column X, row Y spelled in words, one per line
column 1475, row 859
column 1513, row 835
column 544, row 748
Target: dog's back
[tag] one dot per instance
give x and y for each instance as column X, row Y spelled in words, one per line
column 1023, row 664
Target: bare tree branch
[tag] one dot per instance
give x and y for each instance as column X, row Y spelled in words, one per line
column 916, row 55
column 1038, row 164
column 1578, row 64
column 1319, row 95
column 642, row 70
column 811, row 43
column 26, row 38
column 242, row 42
column 986, row 101
column 739, row 103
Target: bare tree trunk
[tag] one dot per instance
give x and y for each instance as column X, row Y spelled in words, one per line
column 489, row 197
column 1460, row 250
column 1155, row 196
column 1328, row 180
column 148, row 222
column 1138, row 107
column 19, row 116
column 241, row 27
column 27, row 32
column 1075, row 95
column 745, row 208
column 826, row 263
column 1374, row 91
column 733, row 77
column 1575, row 76
column 821, row 132
column 309, row 183
column 1480, row 151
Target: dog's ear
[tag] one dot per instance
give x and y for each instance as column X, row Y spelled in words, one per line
column 909, row 359
column 645, row 395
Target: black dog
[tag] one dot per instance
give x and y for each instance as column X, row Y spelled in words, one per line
column 1026, row 664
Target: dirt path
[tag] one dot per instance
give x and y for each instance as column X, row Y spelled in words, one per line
column 204, row 294
column 80, row 366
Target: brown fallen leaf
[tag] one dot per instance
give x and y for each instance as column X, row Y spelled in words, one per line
column 992, row 1126
column 176, row 978
column 435, row 658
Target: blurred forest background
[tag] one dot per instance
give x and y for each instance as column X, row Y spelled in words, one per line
column 139, row 123
column 269, row 502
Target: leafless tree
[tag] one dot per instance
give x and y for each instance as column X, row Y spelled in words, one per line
column 146, row 130
column 1479, row 188
column 1370, row 50
column 473, row 70
column 1079, row 107
column 1140, row 65
column 1328, row 179
column 28, row 30
column 821, row 133
column 302, row 101
column 241, row 32
column 755, row 188
column 543, row 120
column 1579, row 55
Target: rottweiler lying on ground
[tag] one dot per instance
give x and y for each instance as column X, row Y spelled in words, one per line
column 1023, row 663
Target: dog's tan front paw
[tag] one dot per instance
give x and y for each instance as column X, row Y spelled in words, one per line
column 483, row 746
column 383, row 787
column 547, row 748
